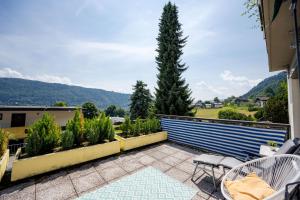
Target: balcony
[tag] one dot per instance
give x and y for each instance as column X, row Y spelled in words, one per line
column 187, row 138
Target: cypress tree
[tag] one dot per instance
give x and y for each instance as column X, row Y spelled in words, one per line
column 173, row 95
column 140, row 101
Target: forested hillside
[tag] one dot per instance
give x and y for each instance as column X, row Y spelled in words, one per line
column 271, row 82
column 15, row 91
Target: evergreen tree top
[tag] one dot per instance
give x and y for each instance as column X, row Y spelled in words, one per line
column 172, row 93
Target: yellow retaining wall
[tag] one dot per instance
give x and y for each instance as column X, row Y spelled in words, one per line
column 28, row 167
column 3, row 163
column 16, row 132
column 134, row 142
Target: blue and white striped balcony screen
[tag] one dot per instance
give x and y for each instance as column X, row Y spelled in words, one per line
column 232, row 140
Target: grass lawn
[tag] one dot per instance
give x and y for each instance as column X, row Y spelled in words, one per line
column 212, row 113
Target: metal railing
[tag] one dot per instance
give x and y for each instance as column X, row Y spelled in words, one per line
column 231, row 137
column 267, row 125
column 14, row 147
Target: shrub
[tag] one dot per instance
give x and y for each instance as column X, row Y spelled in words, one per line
column 107, row 131
column 252, row 108
column 61, row 104
column 137, row 127
column 259, row 115
column 233, row 115
column 155, row 125
column 276, row 108
column 91, row 132
column 126, row 127
column 3, row 142
column 43, row 136
column 76, row 127
column 67, row 139
column 99, row 129
column 150, row 125
column 146, row 126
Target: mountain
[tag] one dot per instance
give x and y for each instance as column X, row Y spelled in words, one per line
column 15, row 91
column 271, row 82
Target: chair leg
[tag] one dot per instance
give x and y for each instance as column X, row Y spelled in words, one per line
column 213, row 177
column 195, row 171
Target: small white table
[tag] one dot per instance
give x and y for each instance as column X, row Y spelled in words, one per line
column 266, row 150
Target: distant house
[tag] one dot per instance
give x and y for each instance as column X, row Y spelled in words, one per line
column 208, row 105
column 261, row 101
column 117, row 120
column 217, row 104
column 199, row 104
column 16, row 119
column 239, row 100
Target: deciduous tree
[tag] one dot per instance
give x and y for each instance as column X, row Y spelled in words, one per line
column 89, row 110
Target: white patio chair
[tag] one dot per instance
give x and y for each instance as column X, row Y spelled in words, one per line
column 277, row 171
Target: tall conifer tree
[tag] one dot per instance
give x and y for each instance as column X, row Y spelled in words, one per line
column 173, row 95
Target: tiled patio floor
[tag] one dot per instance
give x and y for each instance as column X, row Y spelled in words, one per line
column 174, row 160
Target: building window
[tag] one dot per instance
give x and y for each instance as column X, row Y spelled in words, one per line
column 1, row 115
column 18, row 119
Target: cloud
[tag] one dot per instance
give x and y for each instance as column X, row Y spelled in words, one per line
column 89, row 3
column 241, row 80
column 81, row 47
column 213, row 89
column 53, row 79
column 11, row 73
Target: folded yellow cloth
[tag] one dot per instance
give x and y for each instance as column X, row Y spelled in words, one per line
column 250, row 187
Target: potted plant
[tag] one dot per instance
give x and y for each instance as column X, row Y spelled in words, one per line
column 48, row 148
column 140, row 133
column 272, row 144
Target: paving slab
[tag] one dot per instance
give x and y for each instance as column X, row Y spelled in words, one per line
column 107, row 163
column 87, row 182
column 136, row 154
column 19, row 191
column 92, row 189
column 168, row 151
column 158, row 155
column 186, row 167
column 51, row 180
column 182, row 155
column 146, row 160
column 60, row 191
column 162, row 166
column 204, row 188
column 130, row 166
column 170, row 160
column 178, row 174
column 81, row 171
column 112, row 172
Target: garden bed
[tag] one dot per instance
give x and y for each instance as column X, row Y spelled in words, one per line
column 31, row 166
column 3, row 163
column 142, row 140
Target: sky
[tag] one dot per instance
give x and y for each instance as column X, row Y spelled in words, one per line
column 109, row 44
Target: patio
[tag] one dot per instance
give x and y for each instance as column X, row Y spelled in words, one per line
column 172, row 159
